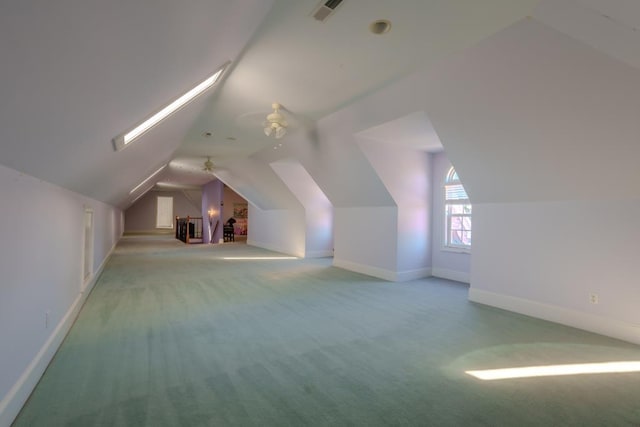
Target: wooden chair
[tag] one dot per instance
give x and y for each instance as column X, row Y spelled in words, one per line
column 228, row 234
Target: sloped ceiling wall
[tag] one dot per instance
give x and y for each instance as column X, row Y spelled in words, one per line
column 301, row 184
column 406, row 174
column 318, row 210
column 403, row 170
column 610, row 26
column 543, row 130
column 88, row 71
column 531, row 114
column 256, row 181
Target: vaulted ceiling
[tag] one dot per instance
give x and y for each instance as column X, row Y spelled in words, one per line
column 75, row 74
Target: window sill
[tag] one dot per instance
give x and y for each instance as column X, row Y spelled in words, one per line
column 455, row 250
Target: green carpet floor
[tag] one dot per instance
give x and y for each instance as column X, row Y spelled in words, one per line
column 174, row 335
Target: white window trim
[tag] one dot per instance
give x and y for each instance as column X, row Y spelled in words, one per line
column 158, row 225
column 446, row 245
column 449, row 247
column 455, row 250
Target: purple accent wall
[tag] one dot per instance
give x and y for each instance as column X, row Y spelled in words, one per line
column 212, row 193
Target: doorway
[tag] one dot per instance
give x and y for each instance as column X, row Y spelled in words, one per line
column 87, row 269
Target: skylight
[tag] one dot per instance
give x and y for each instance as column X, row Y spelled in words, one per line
column 148, row 179
column 122, row 141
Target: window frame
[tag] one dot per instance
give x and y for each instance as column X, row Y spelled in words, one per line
column 158, row 209
column 452, row 179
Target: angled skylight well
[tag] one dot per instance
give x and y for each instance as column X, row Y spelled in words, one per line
column 125, row 139
column 148, row 179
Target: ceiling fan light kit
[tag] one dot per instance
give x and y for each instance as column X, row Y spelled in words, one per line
column 208, row 165
column 275, row 125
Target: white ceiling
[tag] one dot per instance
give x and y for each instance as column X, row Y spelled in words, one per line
column 75, row 74
column 413, row 131
column 315, row 68
column 610, row 26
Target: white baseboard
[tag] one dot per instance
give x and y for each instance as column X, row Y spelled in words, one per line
column 381, row 273
column 444, row 273
column 404, row 276
column 565, row 316
column 274, row 248
column 319, row 254
column 12, row 403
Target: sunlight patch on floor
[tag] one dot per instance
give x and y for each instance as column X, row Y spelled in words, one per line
column 258, row 257
column 556, row 370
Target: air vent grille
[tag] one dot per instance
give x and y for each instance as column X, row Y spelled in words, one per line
column 325, row 9
column 332, row 4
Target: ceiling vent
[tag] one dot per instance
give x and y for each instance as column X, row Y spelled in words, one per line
column 326, row 9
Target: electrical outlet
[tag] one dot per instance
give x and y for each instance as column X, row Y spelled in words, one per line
column 47, row 315
column 593, row 298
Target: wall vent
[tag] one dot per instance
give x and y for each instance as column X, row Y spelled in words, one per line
column 325, row 9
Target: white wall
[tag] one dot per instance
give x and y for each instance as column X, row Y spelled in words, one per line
column 319, row 231
column 41, row 253
column 141, row 216
column 365, row 213
column 543, row 131
column 254, row 179
column 446, row 263
column 276, row 219
column 280, row 230
column 406, row 174
column 545, row 259
column 414, row 242
column 318, row 209
column 366, row 240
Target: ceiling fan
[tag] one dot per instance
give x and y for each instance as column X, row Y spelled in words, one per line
column 208, row 165
column 274, row 123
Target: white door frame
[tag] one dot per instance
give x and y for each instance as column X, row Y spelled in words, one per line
column 87, row 251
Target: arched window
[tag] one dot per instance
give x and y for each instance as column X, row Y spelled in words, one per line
column 458, row 213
